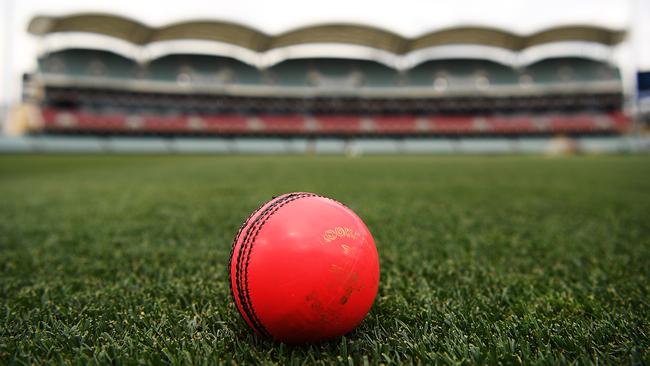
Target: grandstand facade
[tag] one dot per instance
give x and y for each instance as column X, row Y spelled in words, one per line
column 92, row 91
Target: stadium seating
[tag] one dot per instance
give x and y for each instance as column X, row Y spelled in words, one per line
column 398, row 125
column 79, row 121
column 511, row 125
column 332, row 72
column 202, row 69
column 344, row 125
column 59, row 121
column 460, row 74
column 227, row 124
column 87, row 63
column 281, row 124
column 161, row 124
column 447, row 74
column 445, row 125
column 570, row 69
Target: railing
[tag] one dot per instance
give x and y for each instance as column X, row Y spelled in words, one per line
column 157, row 86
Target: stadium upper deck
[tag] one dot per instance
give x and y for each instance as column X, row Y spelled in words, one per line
column 434, row 75
column 98, row 91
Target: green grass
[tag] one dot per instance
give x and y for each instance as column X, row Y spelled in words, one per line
column 483, row 259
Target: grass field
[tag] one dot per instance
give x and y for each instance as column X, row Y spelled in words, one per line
column 484, row 259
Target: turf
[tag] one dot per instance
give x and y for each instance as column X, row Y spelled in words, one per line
column 484, row 260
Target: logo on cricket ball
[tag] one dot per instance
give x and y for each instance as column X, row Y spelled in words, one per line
column 340, row 232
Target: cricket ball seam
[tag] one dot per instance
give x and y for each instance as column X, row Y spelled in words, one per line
column 245, row 252
column 245, row 248
column 243, row 306
column 244, row 299
column 262, row 221
column 234, row 243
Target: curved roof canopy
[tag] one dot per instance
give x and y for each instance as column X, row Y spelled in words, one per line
column 355, row 34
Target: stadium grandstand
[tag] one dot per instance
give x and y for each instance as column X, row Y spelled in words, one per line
column 431, row 86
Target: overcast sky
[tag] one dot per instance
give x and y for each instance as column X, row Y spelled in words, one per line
column 406, row 17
